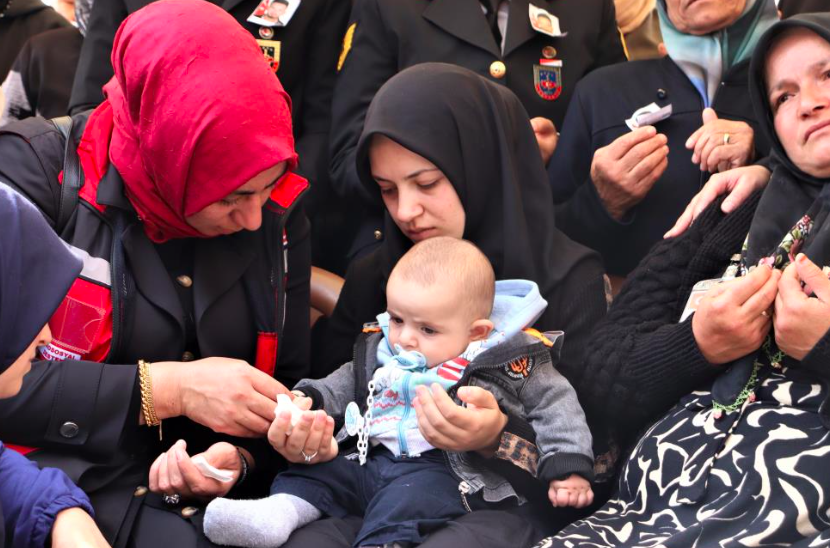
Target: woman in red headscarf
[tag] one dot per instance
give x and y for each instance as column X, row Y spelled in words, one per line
column 191, row 311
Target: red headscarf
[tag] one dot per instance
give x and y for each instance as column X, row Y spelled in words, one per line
column 194, row 112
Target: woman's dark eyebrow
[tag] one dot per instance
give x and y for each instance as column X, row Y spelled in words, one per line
column 408, row 177
column 786, row 80
column 420, row 172
column 250, row 192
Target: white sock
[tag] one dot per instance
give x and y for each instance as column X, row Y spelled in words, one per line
column 263, row 523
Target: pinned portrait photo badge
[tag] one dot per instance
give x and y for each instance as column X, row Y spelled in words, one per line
column 547, row 78
column 545, row 22
column 274, row 13
column 271, row 52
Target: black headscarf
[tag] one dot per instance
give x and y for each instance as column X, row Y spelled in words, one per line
column 794, row 7
column 36, row 271
column 790, row 195
column 479, row 134
column 791, row 192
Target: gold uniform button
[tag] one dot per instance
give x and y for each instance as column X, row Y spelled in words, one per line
column 189, row 511
column 498, row 70
column 188, row 357
column 378, row 235
column 140, row 491
column 549, row 52
column 185, row 281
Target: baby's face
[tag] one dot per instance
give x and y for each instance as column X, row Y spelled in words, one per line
column 430, row 320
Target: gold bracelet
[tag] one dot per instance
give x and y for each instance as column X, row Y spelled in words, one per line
column 147, row 406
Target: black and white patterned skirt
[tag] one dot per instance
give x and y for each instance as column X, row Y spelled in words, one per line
column 759, row 476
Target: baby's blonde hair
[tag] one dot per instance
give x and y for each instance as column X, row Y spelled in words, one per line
column 450, row 260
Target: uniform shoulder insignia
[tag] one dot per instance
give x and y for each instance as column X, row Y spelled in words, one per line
column 534, row 333
column 347, row 45
column 371, row 327
column 519, row 368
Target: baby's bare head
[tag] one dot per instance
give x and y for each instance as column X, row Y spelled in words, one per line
column 451, row 262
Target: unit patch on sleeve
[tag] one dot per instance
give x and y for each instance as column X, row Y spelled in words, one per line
column 519, row 368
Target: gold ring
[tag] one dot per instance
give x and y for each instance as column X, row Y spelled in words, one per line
column 726, row 138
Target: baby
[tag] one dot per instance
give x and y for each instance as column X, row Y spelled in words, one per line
column 447, row 322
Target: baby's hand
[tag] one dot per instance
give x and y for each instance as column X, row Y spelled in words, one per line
column 572, row 491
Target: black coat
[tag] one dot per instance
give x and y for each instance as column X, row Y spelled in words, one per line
column 22, row 20
column 46, row 66
column 103, row 399
column 596, row 117
column 391, row 35
column 310, row 46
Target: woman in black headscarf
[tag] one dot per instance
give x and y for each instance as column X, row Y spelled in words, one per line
column 36, row 270
column 455, row 155
column 742, row 461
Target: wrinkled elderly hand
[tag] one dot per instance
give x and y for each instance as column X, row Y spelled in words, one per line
column 626, row 170
column 712, row 153
column 448, row 426
column 546, row 136
column 173, row 472
column 740, row 183
column 731, row 320
column 313, row 435
column 801, row 320
column 74, row 528
column 226, row 395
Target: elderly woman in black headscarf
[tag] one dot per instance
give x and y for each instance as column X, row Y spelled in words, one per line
column 738, row 310
column 455, row 155
column 36, row 270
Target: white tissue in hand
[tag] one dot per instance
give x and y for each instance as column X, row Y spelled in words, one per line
column 284, row 402
column 210, row 471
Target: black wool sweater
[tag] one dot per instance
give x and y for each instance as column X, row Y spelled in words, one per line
column 641, row 360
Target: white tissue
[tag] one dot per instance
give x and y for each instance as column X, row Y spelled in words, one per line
column 210, row 471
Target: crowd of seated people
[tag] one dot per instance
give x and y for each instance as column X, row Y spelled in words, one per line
column 580, row 290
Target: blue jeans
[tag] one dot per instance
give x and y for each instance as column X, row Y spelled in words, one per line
column 400, row 499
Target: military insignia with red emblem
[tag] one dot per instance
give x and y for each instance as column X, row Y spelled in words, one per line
column 271, row 52
column 519, row 368
column 547, row 78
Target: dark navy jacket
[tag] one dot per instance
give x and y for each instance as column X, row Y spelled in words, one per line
column 596, row 116
column 30, row 499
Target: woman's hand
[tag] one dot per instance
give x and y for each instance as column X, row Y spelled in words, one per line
column 226, row 395
column 173, row 472
column 450, row 427
column 732, row 319
column 740, row 183
column 711, row 149
column 801, row 321
column 309, row 442
column 74, row 528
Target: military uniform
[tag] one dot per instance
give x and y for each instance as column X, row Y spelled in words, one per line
column 386, row 36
